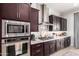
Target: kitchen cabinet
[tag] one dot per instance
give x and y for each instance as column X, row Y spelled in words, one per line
column 34, row 20
column 24, row 12
column 58, row 45
column 59, row 24
column 49, row 47
column 15, row 11
column 9, row 11
column 52, row 46
column 37, row 49
column 46, row 49
column 63, row 24
column 64, row 21
column 67, row 42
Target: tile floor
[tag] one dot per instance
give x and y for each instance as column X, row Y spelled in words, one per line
column 70, row 51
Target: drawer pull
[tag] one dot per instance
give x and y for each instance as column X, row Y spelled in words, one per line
column 37, row 51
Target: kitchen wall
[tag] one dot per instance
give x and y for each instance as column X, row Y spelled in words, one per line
column 70, row 26
column 70, row 23
column 47, row 12
column 53, row 12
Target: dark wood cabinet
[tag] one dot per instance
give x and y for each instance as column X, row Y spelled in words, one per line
column 34, row 19
column 52, row 46
column 58, row 45
column 64, row 24
column 37, row 49
column 15, row 11
column 24, row 12
column 9, row 11
column 67, row 42
column 49, row 47
column 46, row 49
column 59, row 24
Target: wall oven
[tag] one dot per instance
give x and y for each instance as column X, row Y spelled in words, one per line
column 15, row 28
column 15, row 38
column 16, row 46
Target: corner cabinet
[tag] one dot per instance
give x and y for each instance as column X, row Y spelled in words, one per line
column 60, row 24
column 15, row 11
column 34, row 19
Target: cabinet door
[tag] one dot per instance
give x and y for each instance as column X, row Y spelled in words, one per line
column 9, row 11
column 37, row 49
column 58, row 23
column 61, row 25
column 34, row 20
column 46, row 49
column 65, row 24
column 55, row 24
column 24, row 12
column 52, row 47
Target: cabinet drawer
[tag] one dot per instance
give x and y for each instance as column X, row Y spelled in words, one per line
column 36, row 46
column 37, row 49
column 38, row 52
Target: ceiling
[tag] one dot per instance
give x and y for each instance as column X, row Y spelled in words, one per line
column 62, row 7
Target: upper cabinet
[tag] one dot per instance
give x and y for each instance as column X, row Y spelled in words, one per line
column 16, row 11
column 24, row 12
column 59, row 24
column 9, row 11
column 34, row 19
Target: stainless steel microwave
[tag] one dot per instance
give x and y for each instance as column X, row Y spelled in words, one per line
column 12, row 28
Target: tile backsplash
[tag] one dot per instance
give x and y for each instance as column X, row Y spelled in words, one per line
column 48, row 34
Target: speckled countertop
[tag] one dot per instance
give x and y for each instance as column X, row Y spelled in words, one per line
column 40, row 41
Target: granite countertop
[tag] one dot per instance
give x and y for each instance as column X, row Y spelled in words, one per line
column 40, row 41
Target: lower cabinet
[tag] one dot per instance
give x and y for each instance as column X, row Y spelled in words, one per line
column 52, row 46
column 67, row 42
column 49, row 47
column 58, row 45
column 46, row 49
column 37, row 49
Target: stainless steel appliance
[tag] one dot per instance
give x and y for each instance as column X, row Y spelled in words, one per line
column 15, row 38
column 15, row 28
column 16, row 46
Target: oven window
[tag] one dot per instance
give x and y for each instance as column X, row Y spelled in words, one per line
column 27, row 29
column 24, row 48
column 15, row 28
